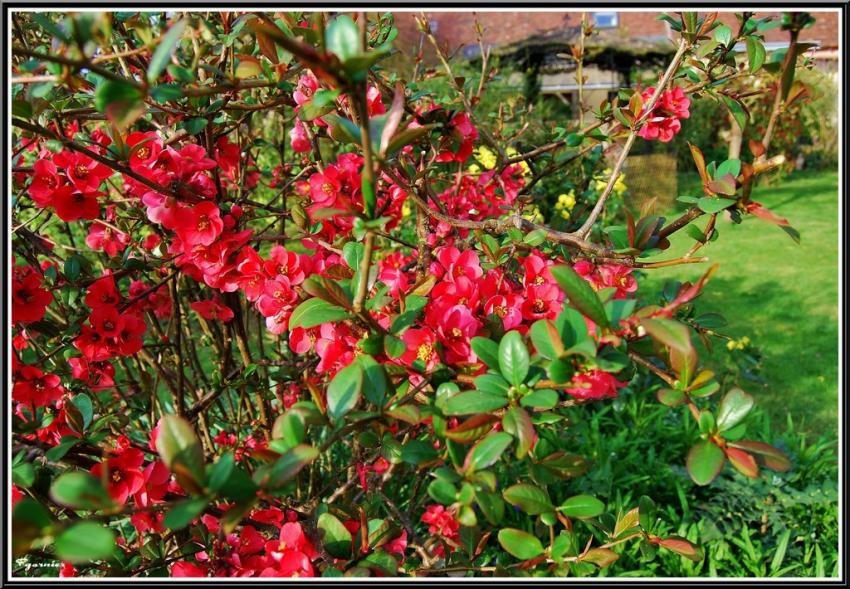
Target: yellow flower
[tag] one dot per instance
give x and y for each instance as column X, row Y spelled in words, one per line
column 730, row 345
column 473, row 169
column 511, row 152
column 533, row 215
column 601, row 181
column 566, row 201
column 405, row 210
column 487, row 158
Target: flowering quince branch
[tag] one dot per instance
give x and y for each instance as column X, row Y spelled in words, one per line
column 425, row 331
column 647, row 111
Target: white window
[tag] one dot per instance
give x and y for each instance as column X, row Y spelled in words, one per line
column 605, row 19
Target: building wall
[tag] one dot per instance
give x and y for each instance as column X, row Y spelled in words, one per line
column 501, row 28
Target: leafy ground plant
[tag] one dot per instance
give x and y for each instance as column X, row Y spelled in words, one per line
column 268, row 322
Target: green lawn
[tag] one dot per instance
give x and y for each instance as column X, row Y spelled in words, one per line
column 783, row 296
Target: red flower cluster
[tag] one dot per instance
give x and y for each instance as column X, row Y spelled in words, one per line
column 664, row 120
column 248, row 554
column 29, row 298
column 443, row 523
column 608, row 276
column 594, row 385
column 110, row 331
column 69, row 183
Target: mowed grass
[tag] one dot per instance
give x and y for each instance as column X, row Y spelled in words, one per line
column 782, row 295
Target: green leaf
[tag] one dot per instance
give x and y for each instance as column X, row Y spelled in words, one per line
column 520, row 544
column 710, row 204
column 23, row 474
column 513, row 358
column 288, row 429
column 737, row 110
column 183, row 512
column 418, row 452
column 342, row 37
column 705, row 460
column 492, row 384
column 580, row 294
column 487, row 451
column 120, row 101
column 470, row 402
column 669, row 332
column 487, row 351
column 56, row 453
column 546, row 339
column 472, row 429
column 530, row 499
column 273, row 477
column 582, row 507
column 220, row 471
column 315, row 311
column 670, row 397
column 492, row 506
column 732, row 167
column 162, row 93
column 755, row 54
column 734, row 407
column 647, row 513
column 72, row 268
column 442, row 492
column 335, row 537
column 344, row 390
column 195, row 125
column 723, row 35
column 518, row 423
column 540, row 399
column 80, row 490
column 162, row 55
column 375, row 380
column 181, row 452
column 83, row 403
column 85, row 542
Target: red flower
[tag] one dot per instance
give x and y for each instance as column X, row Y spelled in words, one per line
column 619, row 277
column 144, row 150
column 187, row 569
column 298, row 139
column 107, row 321
column 34, row 388
column 541, row 302
column 108, row 240
column 45, row 181
column 291, row 555
column 123, row 474
column 201, row 224
column 663, row 122
column 456, row 146
column 457, row 264
column 102, row 292
column 456, row 328
column 212, row 310
column 421, row 346
column 595, row 384
column 66, row 569
column 71, row 205
column 442, row 522
column 84, row 173
column 29, row 299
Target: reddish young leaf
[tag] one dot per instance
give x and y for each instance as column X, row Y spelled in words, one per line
column 684, row 547
column 743, row 462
